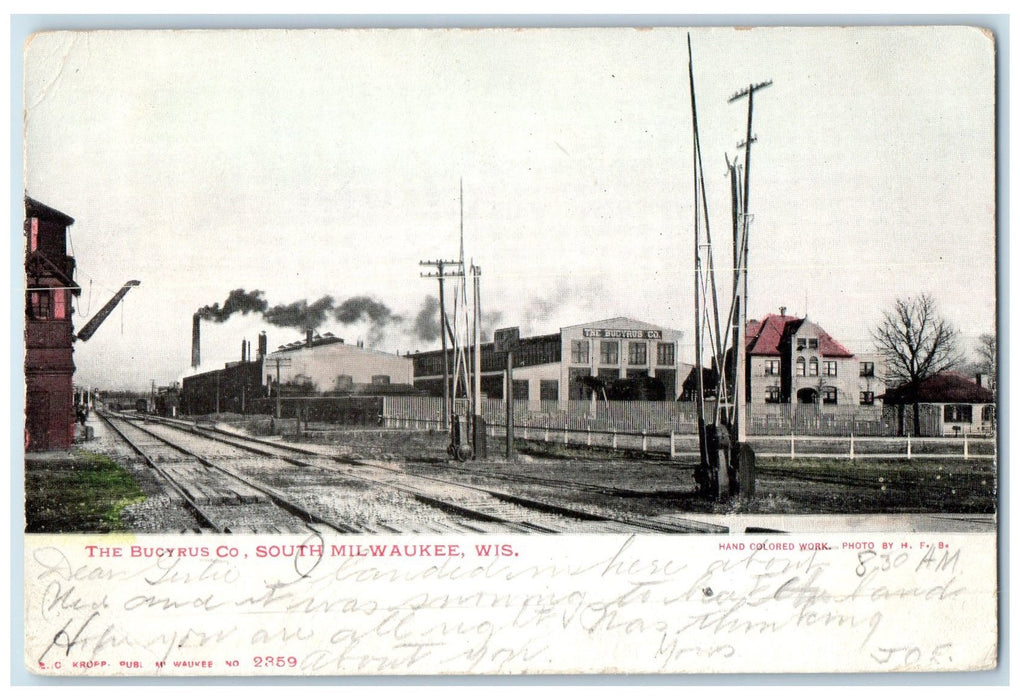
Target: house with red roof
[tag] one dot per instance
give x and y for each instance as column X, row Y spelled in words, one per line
column 793, row 360
column 949, row 403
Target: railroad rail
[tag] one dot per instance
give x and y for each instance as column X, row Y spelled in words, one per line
column 220, row 499
column 480, row 508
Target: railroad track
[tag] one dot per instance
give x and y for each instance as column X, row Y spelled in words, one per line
column 471, row 508
column 221, row 500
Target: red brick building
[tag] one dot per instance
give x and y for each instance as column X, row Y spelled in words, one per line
column 49, row 335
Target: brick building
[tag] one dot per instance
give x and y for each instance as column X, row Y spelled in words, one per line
column 793, row 360
column 49, row 335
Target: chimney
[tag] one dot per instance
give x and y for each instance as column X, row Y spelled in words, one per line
column 782, row 310
column 263, row 345
column 309, row 336
column 196, row 355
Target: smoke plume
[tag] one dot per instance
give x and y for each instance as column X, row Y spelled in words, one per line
column 426, row 323
column 238, row 301
column 300, row 314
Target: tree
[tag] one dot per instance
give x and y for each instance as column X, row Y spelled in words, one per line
column 988, row 357
column 916, row 343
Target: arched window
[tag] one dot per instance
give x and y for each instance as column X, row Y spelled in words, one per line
column 801, row 367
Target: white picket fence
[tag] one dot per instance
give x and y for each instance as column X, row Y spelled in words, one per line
column 632, row 426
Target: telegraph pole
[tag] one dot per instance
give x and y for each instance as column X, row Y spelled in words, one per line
column 478, row 427
column 740, row 411
column 441, row 274
column 744, row 454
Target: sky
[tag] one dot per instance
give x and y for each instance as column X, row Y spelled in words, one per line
column 307, row 163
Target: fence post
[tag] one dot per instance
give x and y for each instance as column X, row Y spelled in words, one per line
column 589, row 436
column 793, row 452
column 644, row 441
column 851, row 447
column 565, row 440
column 547, row 433
column 672, row 444
column 966, row 452
column 525, row 431
column 908, row 445
column 614, row 439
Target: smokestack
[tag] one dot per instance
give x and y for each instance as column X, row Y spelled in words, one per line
column 263, row 345
column 244, row 350
column 196, row 342
column 782, row 310
column 309, row 336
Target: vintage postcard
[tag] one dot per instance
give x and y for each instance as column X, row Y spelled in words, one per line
column 510, row 351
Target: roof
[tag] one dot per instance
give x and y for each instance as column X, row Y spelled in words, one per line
column 764, row 338
column 946, row 387
column 38, row 210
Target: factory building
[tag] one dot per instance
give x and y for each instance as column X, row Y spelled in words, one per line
column 49, row 335
column 320, row 365
column 328, row 365
column 551, row 367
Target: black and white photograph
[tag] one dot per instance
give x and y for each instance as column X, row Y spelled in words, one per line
column 419, row 351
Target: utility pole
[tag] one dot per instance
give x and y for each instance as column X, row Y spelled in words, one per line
column 285, row 362
column 478, row 426
column 441, row 274
column 740, row 411
column 744, row 455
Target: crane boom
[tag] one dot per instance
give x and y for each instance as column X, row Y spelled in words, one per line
column 93, row 324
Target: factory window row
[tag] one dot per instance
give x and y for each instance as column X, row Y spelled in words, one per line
column 609, row 353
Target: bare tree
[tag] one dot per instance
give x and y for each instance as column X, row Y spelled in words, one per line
column 988, row 353
column 916, row 343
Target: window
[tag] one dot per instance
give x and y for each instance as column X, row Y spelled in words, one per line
column 867, row 398
column 801, row 343
column 801, row 367
column 59, row 304
column 812, row 343
column 521, row 389
column 666, row 354
column 813, row 367
column 548, row 389
column 637, row 353
column 577, row 388
column 773, row 394
column 579, row 352
column 609, row 352
column 772, row 367
column 39, row 305
column 988, row 414
column 829, row 395
column 380, row 379
column 957, row 413
column 867, row 369
column 830, row 368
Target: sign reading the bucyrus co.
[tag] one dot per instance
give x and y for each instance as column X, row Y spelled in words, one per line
column 507, row 339
column 622, row 333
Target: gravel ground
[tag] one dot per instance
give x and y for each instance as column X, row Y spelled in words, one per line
column 157, row 513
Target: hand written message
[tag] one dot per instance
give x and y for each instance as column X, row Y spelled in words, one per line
column 585, row 605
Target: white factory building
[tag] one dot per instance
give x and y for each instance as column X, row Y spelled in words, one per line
column 330, row 365
column 550, row 367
